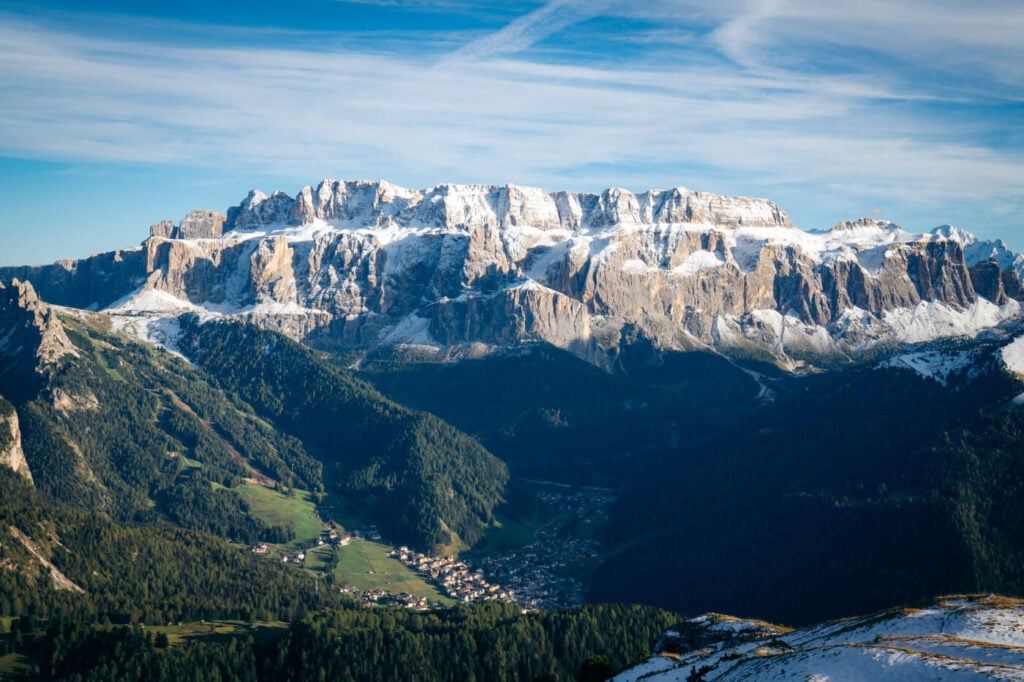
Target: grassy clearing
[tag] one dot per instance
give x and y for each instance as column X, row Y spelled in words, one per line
column 366, row 566
column 187, row 463
column 15, row 667
column 101, row 360
column 214, row 630
column 317, row 558
column 296, row 511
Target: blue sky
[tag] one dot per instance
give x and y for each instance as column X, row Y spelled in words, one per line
column 115, row 115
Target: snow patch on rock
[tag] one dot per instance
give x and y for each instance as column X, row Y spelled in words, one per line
column 1013, row 356
column 935, row 365
column 958, row 638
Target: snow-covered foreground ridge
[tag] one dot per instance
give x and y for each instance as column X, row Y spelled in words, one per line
column 953, row 638
column 360, row 264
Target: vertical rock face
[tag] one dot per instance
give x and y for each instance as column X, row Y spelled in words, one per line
column 1012, row 284
column 198, row 224
column 197, row 272
column 258, row 210
column 93, row 282
column 164, row 229
column 11, row 454
column 937, row 268
column 201, row 224
column 271, row 275
column 987, row 280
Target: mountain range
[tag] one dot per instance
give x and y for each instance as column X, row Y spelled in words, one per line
column 464, row 269
column 787, row 425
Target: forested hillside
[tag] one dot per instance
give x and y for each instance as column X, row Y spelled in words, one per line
column 853, row 491
column 140, row 435
column 423, row 481
column 550, row 415
column 492, row 642
column 873, row 486
column 117, row 573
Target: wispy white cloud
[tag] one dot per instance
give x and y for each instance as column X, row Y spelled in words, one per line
column 528, row 29
column 757, row 118
column 964, row 41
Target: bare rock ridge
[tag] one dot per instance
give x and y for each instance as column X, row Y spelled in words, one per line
column 29, row 324
column 376, row 204
column 359, row 264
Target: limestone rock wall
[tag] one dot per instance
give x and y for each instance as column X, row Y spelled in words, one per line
column 11, row 454
column 359, row 263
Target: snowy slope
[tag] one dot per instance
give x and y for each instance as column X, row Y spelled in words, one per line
column 954, row 638
column 1013, row 356
column 937, row 365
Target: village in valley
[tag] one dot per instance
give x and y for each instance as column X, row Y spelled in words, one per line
column 537, row 568
column 544, row 572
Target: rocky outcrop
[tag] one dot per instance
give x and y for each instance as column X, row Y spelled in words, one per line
column 201, row 224
column 987, row 280
column 11, row 454
column 258, row 210
column 203, row 272
column 510, row 316
column 1012, row 284
column 30, row 328
column 164, row 229
column 198, row 224
column 974, row 632
column 714, row 631
column 271, row 275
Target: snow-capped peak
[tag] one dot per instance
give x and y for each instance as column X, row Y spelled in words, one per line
column 981, row 250
column 955, row 233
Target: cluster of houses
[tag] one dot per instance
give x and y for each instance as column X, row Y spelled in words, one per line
column 537, row 575
column 454, row 577
column 385, row 598
column 334, row 537
column 330, row 535
column 542, row 572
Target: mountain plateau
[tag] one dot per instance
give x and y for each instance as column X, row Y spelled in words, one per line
column 459, row 269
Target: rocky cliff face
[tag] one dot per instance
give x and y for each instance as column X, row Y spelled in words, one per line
column 376, row 204
column 32, row 340
column 358, row 264
column 198, row 224
column 11, row 454
column 30, row 331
